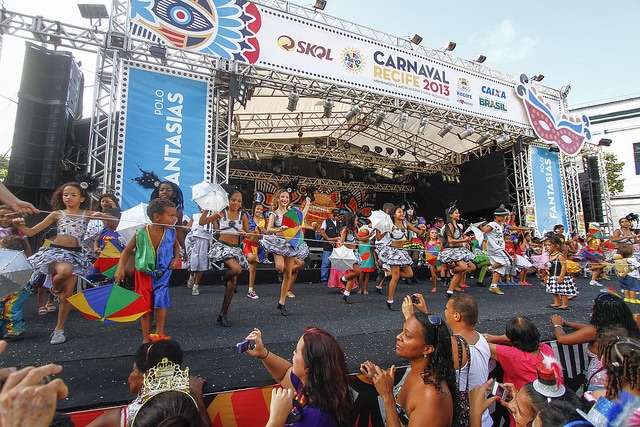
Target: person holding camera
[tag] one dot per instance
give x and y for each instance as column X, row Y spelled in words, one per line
column 318, row 376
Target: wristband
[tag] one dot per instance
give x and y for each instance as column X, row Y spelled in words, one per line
column 558, row 326
column 265, row 356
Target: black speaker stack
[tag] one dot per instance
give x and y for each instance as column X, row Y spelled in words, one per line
column 49, row 100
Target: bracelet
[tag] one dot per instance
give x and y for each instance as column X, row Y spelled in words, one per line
column 558, row 326
column 265, row 356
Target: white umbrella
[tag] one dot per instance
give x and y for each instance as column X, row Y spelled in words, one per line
column 211, row 197
column 476, row 232
column 15, row 271
column 131, row 220
column 381, row 221
column 342, row 258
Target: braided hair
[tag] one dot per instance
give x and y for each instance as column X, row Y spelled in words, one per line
column 622, row 360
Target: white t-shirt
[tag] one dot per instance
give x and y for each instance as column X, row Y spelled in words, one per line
column 495, row 238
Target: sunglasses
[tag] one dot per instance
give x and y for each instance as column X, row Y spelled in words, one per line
column 434, row 319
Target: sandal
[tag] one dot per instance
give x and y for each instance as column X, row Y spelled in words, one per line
column 42, row 310
column 50, row 308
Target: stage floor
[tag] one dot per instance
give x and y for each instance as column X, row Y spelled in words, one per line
column 97, row 358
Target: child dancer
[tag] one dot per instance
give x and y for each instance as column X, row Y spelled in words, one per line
column 629, row 278
column 502, row 262
column 455, row 250
column 170, row 191
column 433, row 241
column 349, row 238
column 394, row 255
column 157, row 253
column 252, row 249
column 198, row 250
column 368, row 262
column 287, row 258
column 559, row 283
column 232, row 224
column 64, row 257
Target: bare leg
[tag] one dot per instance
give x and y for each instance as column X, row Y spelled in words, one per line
column 145, row 322
column 161, row 318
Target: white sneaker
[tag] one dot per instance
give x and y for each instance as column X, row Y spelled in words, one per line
column 252, row 295
column 191, row 281
column 595, row 283
column 195, row 290
column 57, row 337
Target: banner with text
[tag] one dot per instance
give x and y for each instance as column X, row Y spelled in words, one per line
column 269, row 38
column 165, row 136
column 547, row 190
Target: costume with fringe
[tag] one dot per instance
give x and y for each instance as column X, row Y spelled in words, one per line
column 279, row 245
column 75, row 256
column 454, row 253
column 566, row 287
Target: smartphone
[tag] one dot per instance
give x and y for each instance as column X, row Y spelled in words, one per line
column 244, row 346
column 501, row 392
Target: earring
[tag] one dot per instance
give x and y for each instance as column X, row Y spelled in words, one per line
column 424, row 356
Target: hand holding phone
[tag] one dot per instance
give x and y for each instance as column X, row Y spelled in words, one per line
column 244, row 346
column 498, row 390
column 415, row 299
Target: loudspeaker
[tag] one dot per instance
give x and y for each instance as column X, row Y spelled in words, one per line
column 591, row 191
column 38, row 144
column 53, row 78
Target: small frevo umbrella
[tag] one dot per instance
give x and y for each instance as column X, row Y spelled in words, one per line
column 381, row 221
column 110, row 303
column 15, row 271
column 293, row 235
column 211, row 197
column 131, row 220
column 108, row 259
column 342, row 258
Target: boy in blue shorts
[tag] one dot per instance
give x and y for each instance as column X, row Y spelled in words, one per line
column 157, row 253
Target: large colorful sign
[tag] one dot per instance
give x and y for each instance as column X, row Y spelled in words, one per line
column 547, row 190
column 165, row 134
column 269, row 38
column 568, row 132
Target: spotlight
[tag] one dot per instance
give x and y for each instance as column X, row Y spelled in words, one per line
column 319, row 142
column 328, row 107
column 355, row 109
column 333, row 143
column 158, row 51
column 294, row 97
column 416, row 39
column 377, row 149
column 369, row 178
column 347, row 173
column 554, row 148
column 537, row 77
column 347, row 145
column 483, row 138
column 401, row 152
column 320, row 4
column 445, row 129
column 449, row 46
column 605, row 142
column 365, row 148
column 380, row 117
column 465, row 133
column 480, row 59
column 389, row 150
column 502, row 138
column 423, row 125
column 321, row 168
column 402, row 121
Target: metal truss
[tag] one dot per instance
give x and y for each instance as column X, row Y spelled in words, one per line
column 322, row 184
column 223, row 114
column 572, row 196
column 520, row 176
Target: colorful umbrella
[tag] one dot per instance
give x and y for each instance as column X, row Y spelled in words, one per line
column 594, row 230
column 109, row 304
column 211, row 197
column 380, row 221
column 293, row 235
column 431, row 254
column 342, row 258
column 15, row 271
column 131, row 220
column 108, row 259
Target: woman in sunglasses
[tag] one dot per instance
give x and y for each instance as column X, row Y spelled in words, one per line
column 424, row 396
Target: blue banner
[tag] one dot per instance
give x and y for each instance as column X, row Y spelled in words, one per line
column 547, row 190
column 166, row 135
